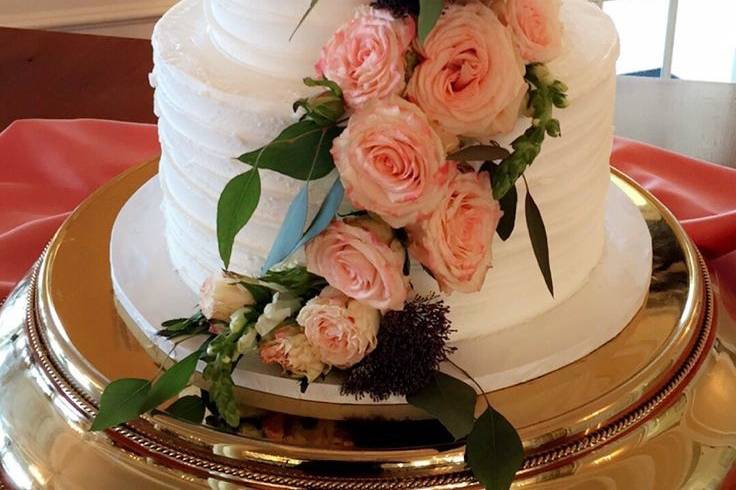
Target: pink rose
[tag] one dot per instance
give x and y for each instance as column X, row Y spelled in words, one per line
column 361, row 258
column 392, row 162
column 536, row 27
column 365, row 57
column 472, row 77
column 342, row 329
column 289, row 348
column 221, row 295
column 455, row 242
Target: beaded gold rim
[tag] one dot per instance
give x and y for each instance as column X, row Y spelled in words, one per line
column 144, row 439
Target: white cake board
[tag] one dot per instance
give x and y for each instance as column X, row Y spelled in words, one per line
column 149, row 291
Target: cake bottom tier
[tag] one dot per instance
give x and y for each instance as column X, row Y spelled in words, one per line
column 598, row 312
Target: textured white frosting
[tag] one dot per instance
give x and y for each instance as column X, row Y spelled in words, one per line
column 225, row 77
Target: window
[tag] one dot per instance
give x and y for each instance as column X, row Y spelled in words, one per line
column 690, row 39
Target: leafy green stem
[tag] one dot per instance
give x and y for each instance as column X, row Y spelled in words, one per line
column 546, row 93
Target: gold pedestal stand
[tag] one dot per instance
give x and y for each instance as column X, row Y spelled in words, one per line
column 653, row 409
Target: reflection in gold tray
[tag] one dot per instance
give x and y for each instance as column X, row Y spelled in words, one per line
column 635, row 403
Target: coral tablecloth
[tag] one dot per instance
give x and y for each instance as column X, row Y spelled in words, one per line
column 48, row 167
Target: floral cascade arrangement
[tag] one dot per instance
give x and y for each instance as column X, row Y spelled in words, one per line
column 412, row 95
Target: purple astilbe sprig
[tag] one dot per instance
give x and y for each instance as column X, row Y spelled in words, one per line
column 399, row 8
column 411, row 345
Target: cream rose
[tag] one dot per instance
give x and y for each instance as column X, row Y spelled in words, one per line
column 289, row 348
column 392, row 162
column 536, row 27
column 455, row 242
column 342, row 329
column 366, row 56
column 472, row 79
column 220, row 296
column 361, row 258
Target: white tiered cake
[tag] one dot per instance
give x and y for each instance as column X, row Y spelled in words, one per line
column 226, row 74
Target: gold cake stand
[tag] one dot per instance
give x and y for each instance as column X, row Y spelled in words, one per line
column 655, row 408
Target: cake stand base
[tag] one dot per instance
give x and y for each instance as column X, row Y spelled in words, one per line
column 652, row 409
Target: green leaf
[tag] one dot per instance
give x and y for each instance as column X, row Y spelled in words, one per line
column 190, row 408
column 184, row 326
column 122, row 401
column 292, row 230
column 323, row 82
column 508, row 221
column 172, row 382
column 479, row 153
column 296, row 150
column 175, row 323
column 298, row 280
column 494, row 451
column 450, row 401
column 236, row 206
column 429, row 14
column 538, row 236
column 261, row 294
column 303, row 18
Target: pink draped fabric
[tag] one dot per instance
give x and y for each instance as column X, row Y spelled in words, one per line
column 48, row 167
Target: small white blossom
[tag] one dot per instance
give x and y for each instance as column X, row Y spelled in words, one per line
column 283, row 306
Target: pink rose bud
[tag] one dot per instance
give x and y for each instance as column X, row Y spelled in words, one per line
column 536, row 27
column 221, row 295
column 342, row 330
column 471, row 82
column 392, row 162
column 455, row 242
column 362, row 259
column 365, row 57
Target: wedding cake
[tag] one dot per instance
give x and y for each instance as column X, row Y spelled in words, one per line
column 226, row 75
column 399, row 204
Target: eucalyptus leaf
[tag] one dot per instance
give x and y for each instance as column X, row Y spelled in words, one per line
column 236, row 206
column 450, row 401
column 326, row 213
column 303, row 18
column 538, row 236
column 122, row 401
column 479, row 153
column 172, row 382
column 190, row 408
column 296, row 150
column 292, row 230
column 429, row 14
column 507, row 223
column 494, row 451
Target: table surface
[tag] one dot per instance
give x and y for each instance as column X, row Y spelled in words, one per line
column 60, row 75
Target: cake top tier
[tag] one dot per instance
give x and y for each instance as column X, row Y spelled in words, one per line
column 257, row 33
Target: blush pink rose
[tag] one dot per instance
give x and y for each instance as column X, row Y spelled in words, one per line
column 342, row 329
column 471, row 81
column 392, row 162
column 536, row 27
column 455, row 242
column 288, row 347
column 366, row 56
column 361, row 258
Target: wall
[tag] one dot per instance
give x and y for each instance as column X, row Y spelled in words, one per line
column 129, row 18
